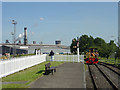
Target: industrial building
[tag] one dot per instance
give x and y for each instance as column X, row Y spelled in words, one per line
column 9, row 49
column 30, row 48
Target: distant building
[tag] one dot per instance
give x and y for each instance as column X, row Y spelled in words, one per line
column 9, row 49
column 48, row 48
column 34, row 42
column 41, row 43
column 30, row 48
column 58, row 42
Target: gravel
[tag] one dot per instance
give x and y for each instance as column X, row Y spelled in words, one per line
column 99, row 79
column 111, row 75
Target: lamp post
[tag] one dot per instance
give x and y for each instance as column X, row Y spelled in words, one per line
column 12, row 40
column 12, row 37
column 115, row 58
column 14, row 22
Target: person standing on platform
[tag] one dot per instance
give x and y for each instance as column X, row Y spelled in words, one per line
column 52, row 55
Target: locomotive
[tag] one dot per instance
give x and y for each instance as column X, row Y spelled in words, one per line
column 91, row 56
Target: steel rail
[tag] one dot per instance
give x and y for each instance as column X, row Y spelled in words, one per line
column 110, row 68
column 110, row 82
column 92, row 78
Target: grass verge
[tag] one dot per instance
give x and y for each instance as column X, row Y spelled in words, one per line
column 29, row 74
column 85, row 66
column 110, row 60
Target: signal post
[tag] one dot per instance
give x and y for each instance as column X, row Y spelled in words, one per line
column 78, row 49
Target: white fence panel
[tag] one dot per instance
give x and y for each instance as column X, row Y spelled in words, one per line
column 16, row 64
column 81, row 58
column 66, row 58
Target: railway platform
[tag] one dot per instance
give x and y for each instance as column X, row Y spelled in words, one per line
column 68, row 75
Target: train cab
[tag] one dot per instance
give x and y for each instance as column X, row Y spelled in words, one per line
column 91, row 56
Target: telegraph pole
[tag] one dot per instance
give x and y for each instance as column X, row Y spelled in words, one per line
column 14, row 22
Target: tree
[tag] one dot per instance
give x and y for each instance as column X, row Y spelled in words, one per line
column 91, row 41
column 112, row 46
column 84, row 43
column 107, row 49
column 117, row 55
column 99, row 41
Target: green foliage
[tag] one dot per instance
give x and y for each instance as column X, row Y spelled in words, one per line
column 117, row 55
column 7, row 86
column 86, row 42
column 22, row 55
column 110, row 60
column 99, row 41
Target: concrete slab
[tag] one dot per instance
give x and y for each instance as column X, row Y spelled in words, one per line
column 68, row 75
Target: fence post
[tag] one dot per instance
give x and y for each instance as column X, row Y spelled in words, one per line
column 39, row 52
column 73, row 58
column 36, row 52
column 78, row 53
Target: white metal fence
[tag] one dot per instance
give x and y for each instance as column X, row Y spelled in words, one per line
column 67, row 58
column 14, row 65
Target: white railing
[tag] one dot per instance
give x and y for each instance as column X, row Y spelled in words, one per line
column 16, row 64
column 67, row 58
column 11, row 66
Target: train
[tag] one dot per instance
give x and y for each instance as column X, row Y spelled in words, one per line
column 91, row 56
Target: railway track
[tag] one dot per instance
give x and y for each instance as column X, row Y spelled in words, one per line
column 100, row 78
column 112, row 65
column 112, row 68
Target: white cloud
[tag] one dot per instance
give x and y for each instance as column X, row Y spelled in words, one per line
column 32, row 33
column 41, row 18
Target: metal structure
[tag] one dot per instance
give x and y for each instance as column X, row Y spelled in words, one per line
column 119, row 37
column 12, row 37
column 14, row 22
column 118, row 24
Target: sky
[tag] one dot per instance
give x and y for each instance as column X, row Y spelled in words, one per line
column 50, row 21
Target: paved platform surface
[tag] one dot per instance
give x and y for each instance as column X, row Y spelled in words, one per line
column 68, row 75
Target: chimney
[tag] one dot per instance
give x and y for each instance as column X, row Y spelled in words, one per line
column 25, row 36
